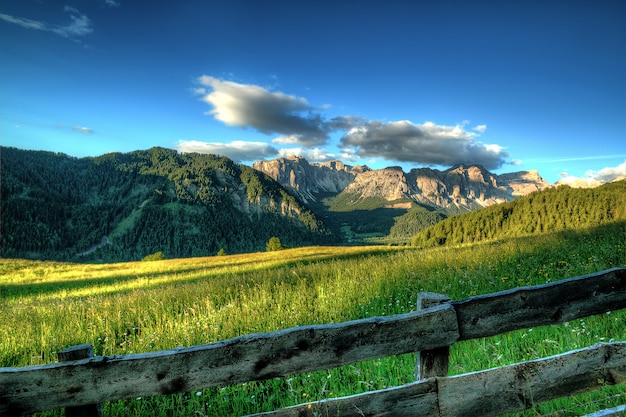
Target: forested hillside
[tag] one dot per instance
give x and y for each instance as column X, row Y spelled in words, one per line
column 552, row 210
column 414, row 221
column 125, row 206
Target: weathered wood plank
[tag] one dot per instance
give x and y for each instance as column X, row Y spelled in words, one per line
column 71, row 354
column 486, row 393
column 520, row 386
column 415, row 399
column 246, row 358
column 433, row 362
column 552, row 303
column 609, row 412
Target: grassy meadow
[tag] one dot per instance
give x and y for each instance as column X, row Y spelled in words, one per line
column 147, row 306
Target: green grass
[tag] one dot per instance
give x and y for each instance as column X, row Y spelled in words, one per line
column 148, row 306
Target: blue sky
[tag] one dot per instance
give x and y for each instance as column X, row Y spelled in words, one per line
column 511, row 85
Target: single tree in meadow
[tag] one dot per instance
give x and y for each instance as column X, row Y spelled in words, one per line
column 274, row 244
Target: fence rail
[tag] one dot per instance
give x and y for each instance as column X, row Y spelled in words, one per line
column 430, row 330
column 486, row 393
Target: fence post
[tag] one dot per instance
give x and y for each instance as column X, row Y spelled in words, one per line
column 433, row 362
column 74, row 353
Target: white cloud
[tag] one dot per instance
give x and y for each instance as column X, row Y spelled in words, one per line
column 300, row 124
column 80, row 25
column 348, row 155
column 312, row 155
column 428, row 143
column 82, row 129
column 594, row 178
column 237, row 150
column 247, row 105
column 287, row 140
column 608, row 174
column 577, row 182
column 25, row 23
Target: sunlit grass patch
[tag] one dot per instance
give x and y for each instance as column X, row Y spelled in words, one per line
column 148, row 306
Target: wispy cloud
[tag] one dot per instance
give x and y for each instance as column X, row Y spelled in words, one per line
column 576, row 158
column 608, row 174
column 313, row 154
column 304, row 126
column 79, row 25
column 593, row 178
column 25, row 23
column 83, row 129
column 237, row 150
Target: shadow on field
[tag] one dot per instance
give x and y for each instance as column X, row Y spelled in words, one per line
column 159, row 279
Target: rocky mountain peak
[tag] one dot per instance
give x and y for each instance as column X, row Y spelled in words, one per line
column 387, row 183
column 463, row 186
column 305, row 179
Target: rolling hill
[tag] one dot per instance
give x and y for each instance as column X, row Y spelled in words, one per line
column 553, row 210
column 126, row 206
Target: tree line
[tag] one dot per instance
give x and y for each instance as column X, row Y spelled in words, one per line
column 57, row 207
column 552, row 210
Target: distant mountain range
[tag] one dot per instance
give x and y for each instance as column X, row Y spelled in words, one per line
column 125, row 206
column 458, row 188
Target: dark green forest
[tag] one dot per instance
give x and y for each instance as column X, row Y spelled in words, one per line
column 552, row 210
column 415, row 220
column 123, row 207
column 120, row 207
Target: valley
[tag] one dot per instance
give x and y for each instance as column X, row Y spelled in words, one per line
column 143, row 206
column 61, row 208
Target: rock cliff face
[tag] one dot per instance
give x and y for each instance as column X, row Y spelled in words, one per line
column 388, row 183
column 471, row 186
column 306, row 180
column 461, row 186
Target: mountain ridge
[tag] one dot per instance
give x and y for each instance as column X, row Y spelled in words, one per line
column 125, row 206
column 465, row 187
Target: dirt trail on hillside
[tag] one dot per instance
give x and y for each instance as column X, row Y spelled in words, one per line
column 103, row 242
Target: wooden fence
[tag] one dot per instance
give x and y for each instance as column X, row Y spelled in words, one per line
column 81, row 384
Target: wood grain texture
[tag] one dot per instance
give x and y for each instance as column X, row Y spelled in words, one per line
column 492, row 392
column 247, row 358
column 432, row 362
column 520, row 386
column 553, row 303
column 71, row 354
column 308, row 348
column 416, row 399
